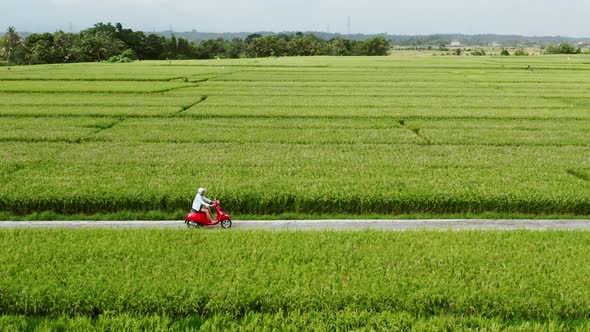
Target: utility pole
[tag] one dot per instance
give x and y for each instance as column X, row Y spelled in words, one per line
column 348, row 24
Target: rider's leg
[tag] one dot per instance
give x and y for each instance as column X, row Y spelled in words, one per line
column 208, row 213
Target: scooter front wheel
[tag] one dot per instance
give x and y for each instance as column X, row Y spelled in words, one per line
column 226, row 223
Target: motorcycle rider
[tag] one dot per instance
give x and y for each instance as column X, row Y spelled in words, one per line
column 203, row 204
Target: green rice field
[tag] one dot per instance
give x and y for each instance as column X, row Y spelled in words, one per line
column 318, row 135
column 136, row 280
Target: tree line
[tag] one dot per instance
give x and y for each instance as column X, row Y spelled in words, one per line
column 562, row 48
column 107, row 42
column 510, row 41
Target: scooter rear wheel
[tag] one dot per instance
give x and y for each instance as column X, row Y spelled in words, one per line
column 226, row 223
column 192, row 224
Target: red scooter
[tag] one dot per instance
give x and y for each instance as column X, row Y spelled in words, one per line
column 199, row 219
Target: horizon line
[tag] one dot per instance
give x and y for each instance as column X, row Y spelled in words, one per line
column 329, row 33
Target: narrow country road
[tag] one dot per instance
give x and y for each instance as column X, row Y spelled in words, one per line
column 394, row 225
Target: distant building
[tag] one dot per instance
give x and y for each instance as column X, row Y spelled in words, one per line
column 455, row 43
column 495, row 44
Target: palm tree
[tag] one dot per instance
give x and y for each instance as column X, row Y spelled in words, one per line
column 12, row 39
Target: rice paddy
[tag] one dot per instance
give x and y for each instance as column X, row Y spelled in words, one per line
column 323, row 281
column 391, row 135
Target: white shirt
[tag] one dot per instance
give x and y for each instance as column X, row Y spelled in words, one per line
column 201, row 200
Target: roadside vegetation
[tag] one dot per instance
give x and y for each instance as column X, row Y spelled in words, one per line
column 137, row 279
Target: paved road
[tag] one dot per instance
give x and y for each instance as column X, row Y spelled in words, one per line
column 396, row 225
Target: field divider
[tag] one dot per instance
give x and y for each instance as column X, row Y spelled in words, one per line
column 179, row 79
column 201, row 80
column 84, row 92
column 78, row 140
column 376, row 82
column 287, row 116
column 89, row 139
column 99, row 129
column 24, row 79
column 173, row 89
column 416, row 131
column 400, row 106
column 185, row 108
column 579, row 174
column 346, row 117
column 375, row 95
column 395, row 116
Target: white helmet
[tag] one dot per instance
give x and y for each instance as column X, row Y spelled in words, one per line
column 201, row 191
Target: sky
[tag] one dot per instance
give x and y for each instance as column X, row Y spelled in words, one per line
column 416, row 17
